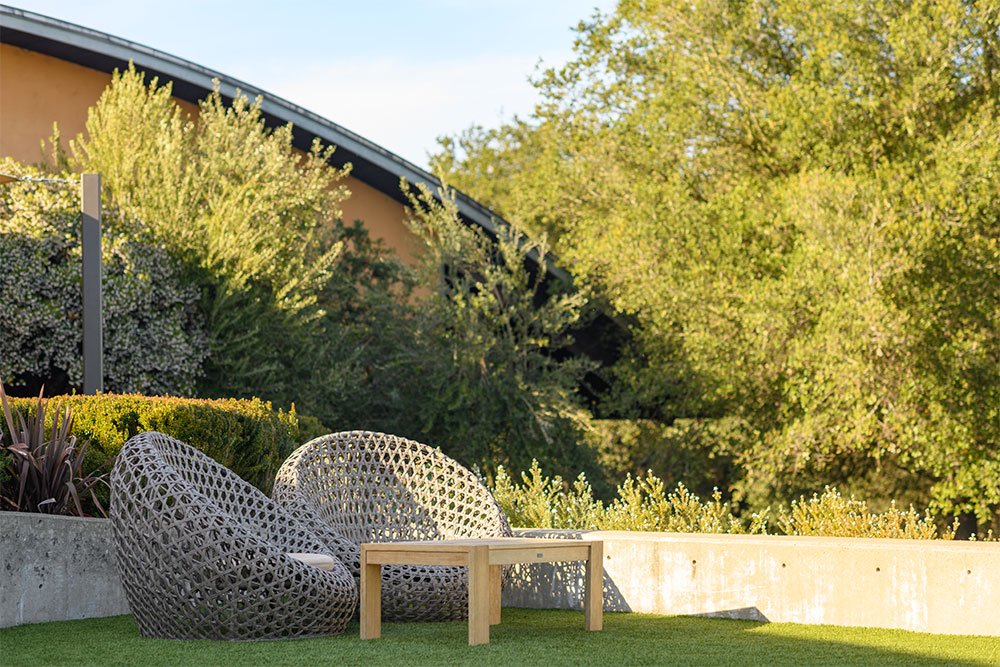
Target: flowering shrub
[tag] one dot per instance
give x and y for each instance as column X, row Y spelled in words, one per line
column 154, row 342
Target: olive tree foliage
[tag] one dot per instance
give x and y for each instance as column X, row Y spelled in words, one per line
column 798, row 203
column 253, row 220
column 154, row 338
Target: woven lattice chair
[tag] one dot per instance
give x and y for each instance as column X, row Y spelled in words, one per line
column 202, row 554
column 373, row 487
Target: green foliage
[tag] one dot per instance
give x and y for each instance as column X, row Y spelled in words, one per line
column 643, row 504
column 698, row 453
column 239, row 199
column 154, row 339
column 47, row 468
column 543, row 502
column 465, row 362
column 473, row 370
column 833, row 515
column 797, row 204
column 252, row 219
column 5, row 472
column 247, row 436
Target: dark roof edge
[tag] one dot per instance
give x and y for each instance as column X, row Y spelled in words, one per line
column 104, row 52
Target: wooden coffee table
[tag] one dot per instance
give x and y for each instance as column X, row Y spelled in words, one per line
column 484, row 558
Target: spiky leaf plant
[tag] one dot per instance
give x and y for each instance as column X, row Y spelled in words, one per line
column 47, row 469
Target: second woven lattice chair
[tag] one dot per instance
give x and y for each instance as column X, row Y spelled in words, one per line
column 374, row 487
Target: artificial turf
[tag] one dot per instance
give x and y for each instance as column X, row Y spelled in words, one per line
column 526, row 636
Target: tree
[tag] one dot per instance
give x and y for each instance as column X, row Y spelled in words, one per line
column 796, row 201
column 303, row 308
column 253, row 220
column 468, row 363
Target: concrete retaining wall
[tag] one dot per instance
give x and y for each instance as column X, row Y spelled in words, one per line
column 60, row 568
column 920, row 585
column 56, row 568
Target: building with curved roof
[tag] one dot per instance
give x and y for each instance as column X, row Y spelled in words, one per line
column 53, row 71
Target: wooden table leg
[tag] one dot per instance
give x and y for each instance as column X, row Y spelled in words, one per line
column 479, row 595
column 371, row 599
column 593, row 594
column 496, row 589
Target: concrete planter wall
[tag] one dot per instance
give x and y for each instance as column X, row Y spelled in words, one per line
column 921, row 585
column 63, row 568
column 56, row 568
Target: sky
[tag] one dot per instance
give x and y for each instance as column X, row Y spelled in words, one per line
column 400, row 73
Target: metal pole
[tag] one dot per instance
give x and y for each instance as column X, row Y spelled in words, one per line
column 93, row 344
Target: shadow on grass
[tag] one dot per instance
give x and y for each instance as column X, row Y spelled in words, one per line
column 547, row 637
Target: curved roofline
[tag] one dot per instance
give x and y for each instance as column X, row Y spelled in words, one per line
column 372, row 164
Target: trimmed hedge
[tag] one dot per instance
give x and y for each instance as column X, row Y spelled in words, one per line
column 247, row 436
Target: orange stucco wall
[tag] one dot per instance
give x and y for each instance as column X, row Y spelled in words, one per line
column 37, row 90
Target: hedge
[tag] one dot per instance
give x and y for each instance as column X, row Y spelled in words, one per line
column 247, row 436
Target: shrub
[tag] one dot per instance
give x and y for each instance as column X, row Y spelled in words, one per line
column 466, row 362
column 833, row 515
column 474, row 368
column 696, row 452
column 154, row 342
column 642, row 504
column 4, row 468
column 47, row 469
column 247, row 436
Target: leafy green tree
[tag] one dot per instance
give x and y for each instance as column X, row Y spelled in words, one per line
column 797, row 202
column 253, row 220
column 303, row 308
column 471, row 365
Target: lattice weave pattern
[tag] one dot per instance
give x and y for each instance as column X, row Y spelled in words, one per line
column 373, row 487
column 202, row 554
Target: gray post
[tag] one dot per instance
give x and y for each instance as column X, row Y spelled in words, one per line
column 93, row 344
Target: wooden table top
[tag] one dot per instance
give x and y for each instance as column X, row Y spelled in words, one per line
column 494, row 543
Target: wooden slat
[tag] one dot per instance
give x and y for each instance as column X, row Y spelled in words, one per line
column 517, row 543
column 539, row 554
column 459, row 544
column 436, row 545
column 479, row 595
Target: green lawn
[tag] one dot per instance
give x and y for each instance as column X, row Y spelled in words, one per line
column 537, row 637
